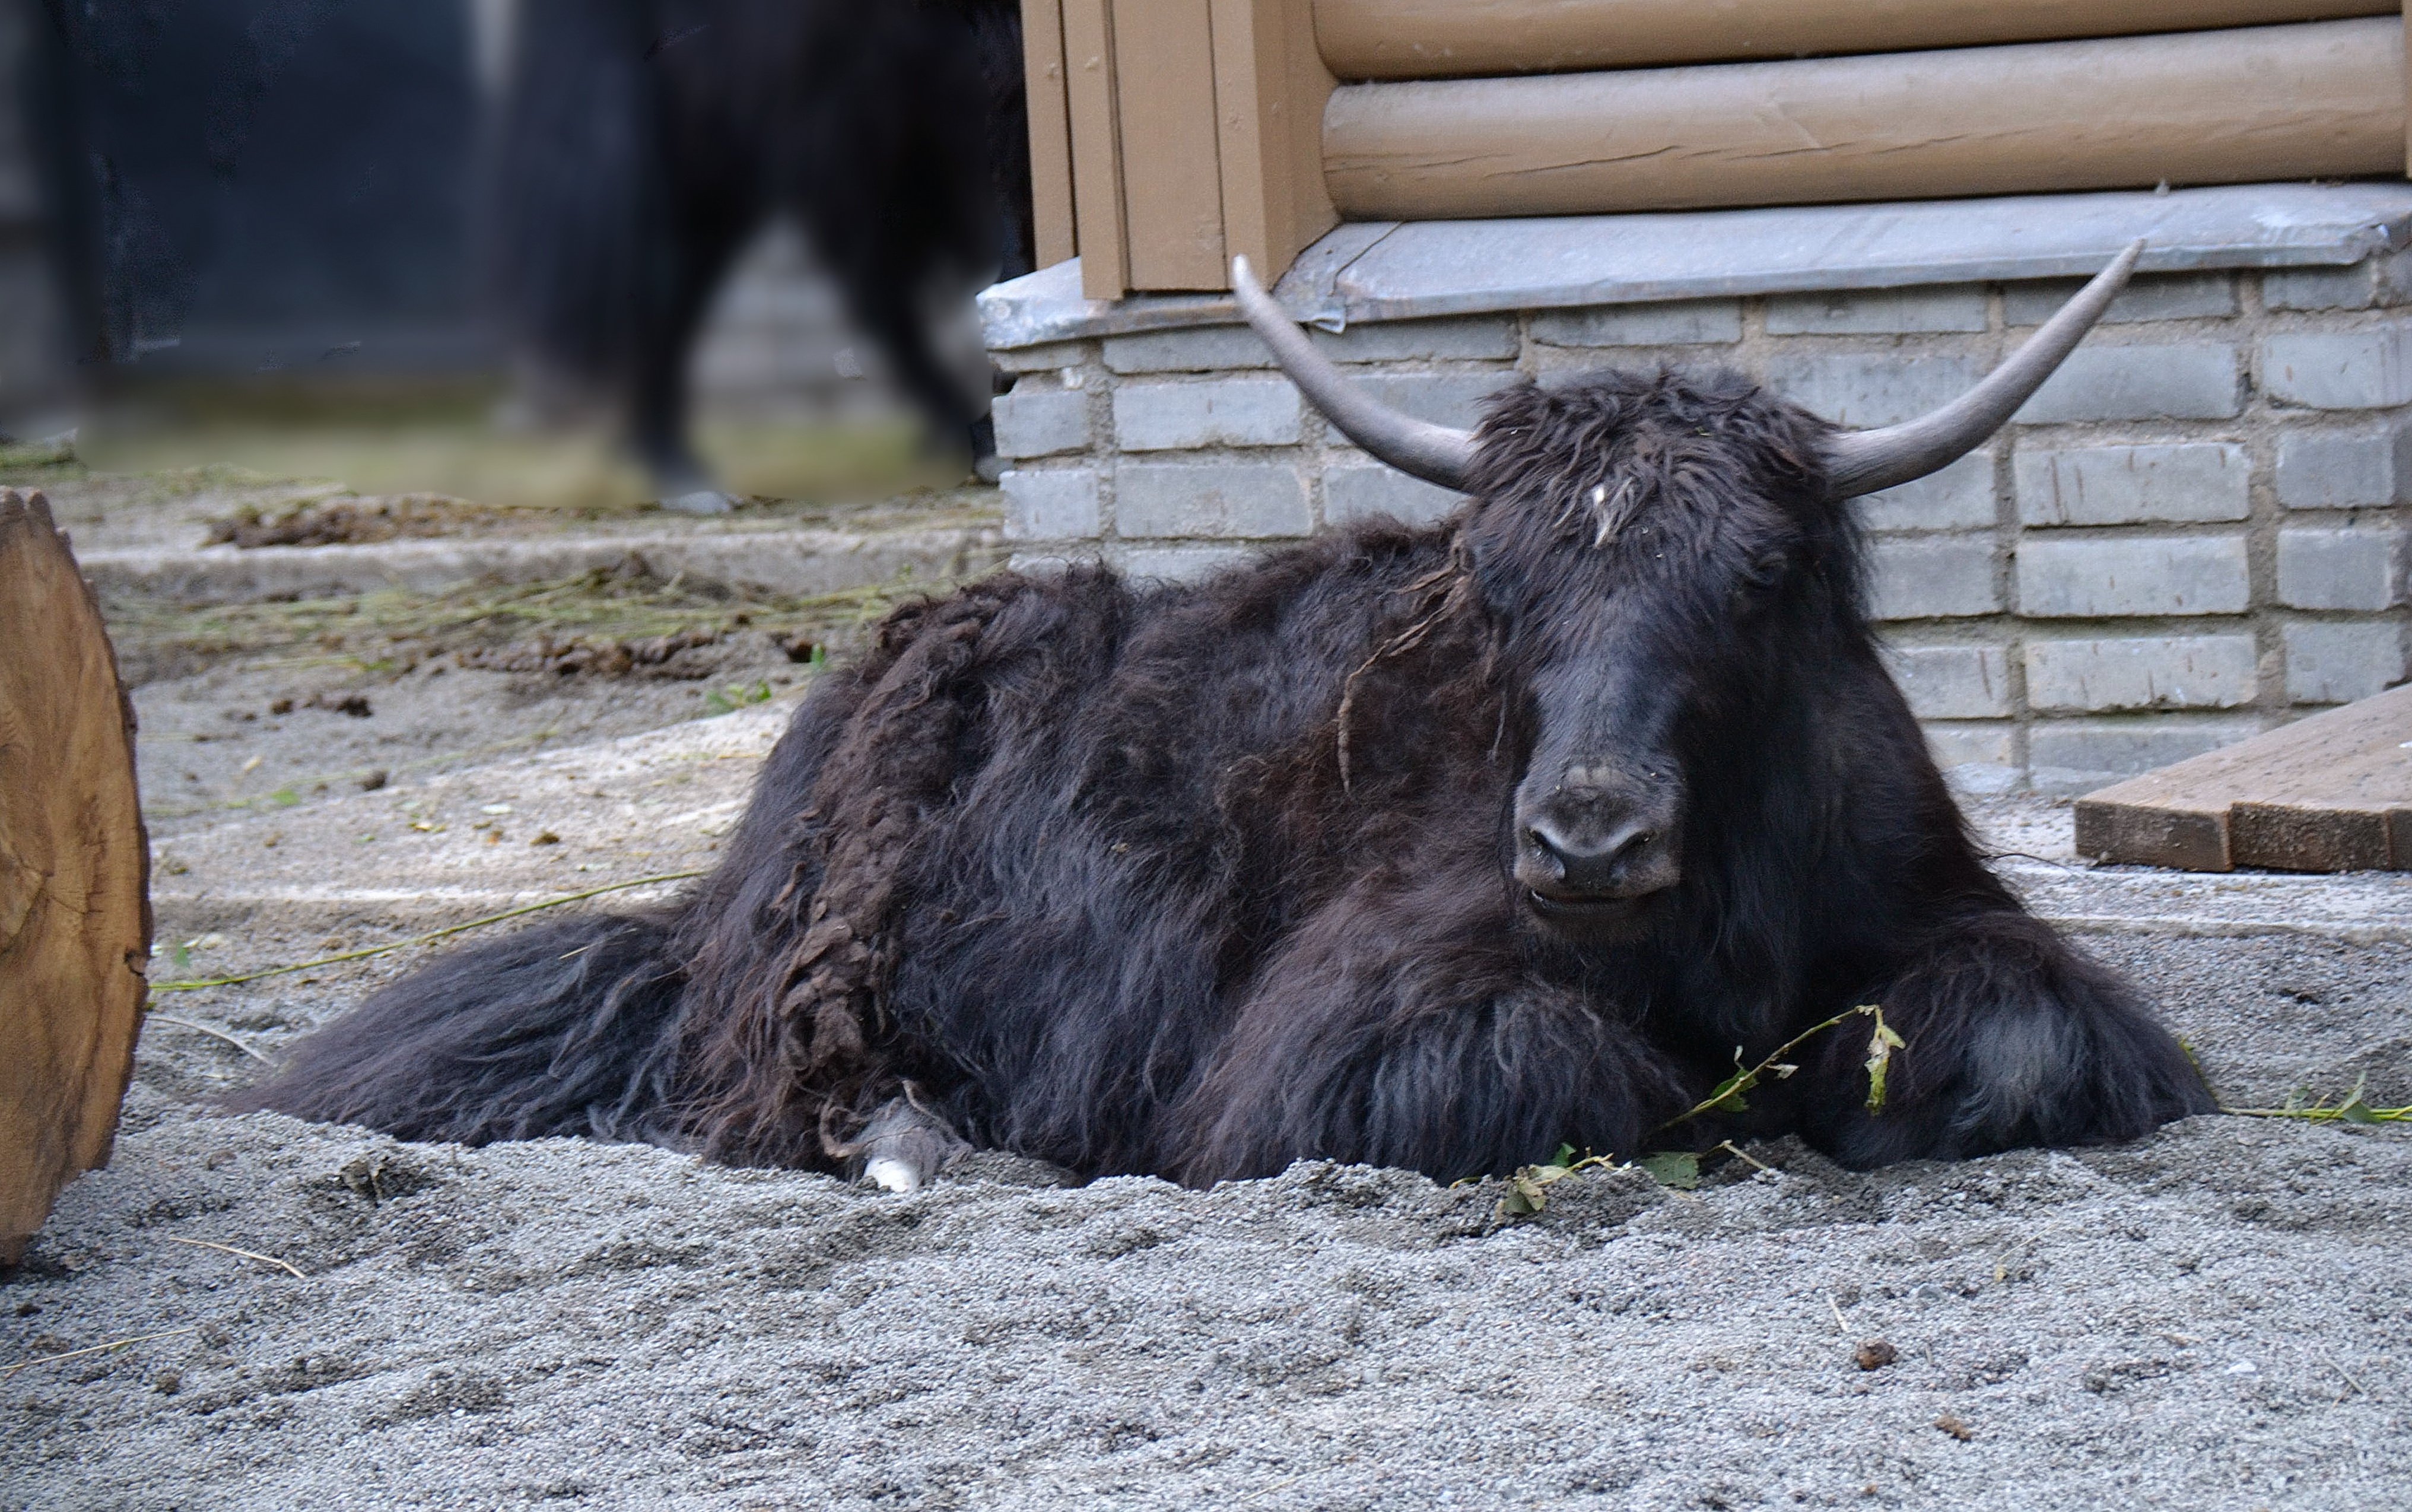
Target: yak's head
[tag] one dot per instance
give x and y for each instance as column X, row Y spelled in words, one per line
column 1656, row 550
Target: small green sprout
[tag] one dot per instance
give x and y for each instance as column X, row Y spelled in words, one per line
column 735, row 697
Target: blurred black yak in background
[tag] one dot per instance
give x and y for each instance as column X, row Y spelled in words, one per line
column 644, row 142
column 306, row 191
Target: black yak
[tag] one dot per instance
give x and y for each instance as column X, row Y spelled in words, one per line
column 1434, row 847
column 644, row 142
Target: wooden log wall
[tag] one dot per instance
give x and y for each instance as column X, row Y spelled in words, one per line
column 2313, row 100
column 1453, row 38
column 1169, row 134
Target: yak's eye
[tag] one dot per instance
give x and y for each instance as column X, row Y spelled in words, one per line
column 1758, row 581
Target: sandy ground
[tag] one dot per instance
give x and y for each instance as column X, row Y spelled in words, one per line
column 2215, row 1318
column 2220, row 1316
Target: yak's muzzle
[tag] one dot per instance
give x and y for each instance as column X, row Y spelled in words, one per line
column 1595, row 843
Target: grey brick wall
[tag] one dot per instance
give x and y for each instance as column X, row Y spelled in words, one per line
column 2202, row 527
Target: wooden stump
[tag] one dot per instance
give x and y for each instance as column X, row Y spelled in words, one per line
column 75, row 875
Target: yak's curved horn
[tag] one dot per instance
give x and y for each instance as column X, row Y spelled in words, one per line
column 1436, row 453
column 1863, row 462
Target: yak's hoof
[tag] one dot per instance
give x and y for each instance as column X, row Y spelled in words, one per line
column 701, row 502
column 903, row 1147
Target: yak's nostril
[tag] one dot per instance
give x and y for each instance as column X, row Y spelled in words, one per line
column 1548, row 847
column 1591, row 864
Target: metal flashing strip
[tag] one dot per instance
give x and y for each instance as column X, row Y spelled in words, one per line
column 1394, row 271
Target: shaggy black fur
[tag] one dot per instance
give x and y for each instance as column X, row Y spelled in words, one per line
column 1201, row 880
column 645, row 141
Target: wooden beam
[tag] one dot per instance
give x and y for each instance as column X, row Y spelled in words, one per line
column 2331, row 793
column 2316, row 100
column 1096, row 148
column 1270, row 89
column 1053, row 223
column 1172, row 179
column 1451, row 38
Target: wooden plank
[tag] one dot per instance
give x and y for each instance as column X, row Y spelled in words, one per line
column 1053, row 223
column 1172, row 180
column 2331, row 793
column 1096, row 148
column 1453, row 38
column 2319, row 100
column 1270, row 89
column 75, row 870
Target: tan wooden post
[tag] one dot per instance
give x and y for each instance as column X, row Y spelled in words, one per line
column 1164, row 89
column 1194, row 131
column 2314, row 99
column 74, row 871
column 1053, row 226
column 1269, row 89
column 1096, row 148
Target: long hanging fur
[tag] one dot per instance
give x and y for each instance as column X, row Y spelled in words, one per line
column 1203, row 879
column 562, row 1029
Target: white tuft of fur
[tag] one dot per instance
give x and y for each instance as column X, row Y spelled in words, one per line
column 893, row 1174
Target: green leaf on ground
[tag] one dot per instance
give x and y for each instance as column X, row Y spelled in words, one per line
column 1678, row 1168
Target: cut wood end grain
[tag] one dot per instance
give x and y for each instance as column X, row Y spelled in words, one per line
column 74, row 868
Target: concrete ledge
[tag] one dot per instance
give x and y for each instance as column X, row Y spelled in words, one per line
column 798, row 563
column 1391, row 270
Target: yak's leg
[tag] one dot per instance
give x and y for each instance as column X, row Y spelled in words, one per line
column 900, row 292
column 926, row 334
column 1391, row 1036
column 2013, row 1040
column 695, row 253
column 904, row 1145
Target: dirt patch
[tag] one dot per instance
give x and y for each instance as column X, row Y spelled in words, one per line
column 497, row 626
column 354, row 521
column 262, row 706
column 658, row 655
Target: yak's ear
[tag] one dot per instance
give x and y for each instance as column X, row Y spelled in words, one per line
column 1863, row 461
column 1436, row 453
